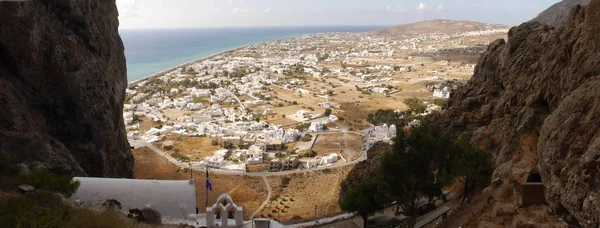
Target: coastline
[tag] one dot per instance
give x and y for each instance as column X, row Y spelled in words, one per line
column 191, row 62
column 205, row 58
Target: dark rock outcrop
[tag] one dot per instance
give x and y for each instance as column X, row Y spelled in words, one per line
column 534, row 103
column 558, row 14
column 62, row 87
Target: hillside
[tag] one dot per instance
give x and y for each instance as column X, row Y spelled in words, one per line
column 437, row 26
column 558, row 13
column 62, row 87
column 533, row 103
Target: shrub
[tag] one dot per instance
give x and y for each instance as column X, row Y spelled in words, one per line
column 285, row 181
column 167, row 147
column 45, row 180
column 327, row 112
column 214, row 142
column 39, row 208
column 415, row 105
column 227, row 145
column 308, row 153
column 146, row 215
column 80, row 217
column 152, row 216
column 306, row 138
column 440, row 102
column 180, row 157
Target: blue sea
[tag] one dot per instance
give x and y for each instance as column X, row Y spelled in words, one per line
column 149, row 51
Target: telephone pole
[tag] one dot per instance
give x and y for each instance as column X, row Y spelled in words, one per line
column 315, row 213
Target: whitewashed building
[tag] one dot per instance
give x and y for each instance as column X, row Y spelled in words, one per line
column 443, row 92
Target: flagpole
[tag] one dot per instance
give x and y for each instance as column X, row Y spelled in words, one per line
column 206, row 187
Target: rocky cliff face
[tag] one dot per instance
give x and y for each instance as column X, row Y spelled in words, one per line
column 534, row 103
column 558, row 13
column 62, row 86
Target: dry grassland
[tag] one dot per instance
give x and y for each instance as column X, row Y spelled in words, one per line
column 296, row 202
column 248, row 192
column 349, row 144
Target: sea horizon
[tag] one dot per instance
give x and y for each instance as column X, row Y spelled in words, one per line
column 149, row 51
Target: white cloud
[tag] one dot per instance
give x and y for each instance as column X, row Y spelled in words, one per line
column 422, row 6
column 440, row 8
column 127, row 8
column 243, row 10
column 267, row 10
column 397, row 9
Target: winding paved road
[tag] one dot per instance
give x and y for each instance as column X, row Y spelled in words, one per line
column 263, row 175
column 197, row 167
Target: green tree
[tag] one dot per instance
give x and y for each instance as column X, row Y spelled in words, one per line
column 327, row 112
column 381, row 116
column 364, row 199
column 470, row 166
column 412, row 172
column 227, row 145
column 415, row 105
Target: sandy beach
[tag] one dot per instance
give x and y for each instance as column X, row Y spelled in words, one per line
column 192, row 62
column 202, row 59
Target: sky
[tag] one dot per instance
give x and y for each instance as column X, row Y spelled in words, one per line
column 141, row 14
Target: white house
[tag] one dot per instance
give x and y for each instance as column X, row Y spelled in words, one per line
column 329, row 159
column 254, row 155
column 291, row 135
column 443, row 92
column 314, row 127
column 217, row 160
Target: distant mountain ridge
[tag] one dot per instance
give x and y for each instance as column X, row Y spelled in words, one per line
column 558, row 14
column 438, row 26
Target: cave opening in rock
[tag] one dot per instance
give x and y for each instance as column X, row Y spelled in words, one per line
column 534, row 178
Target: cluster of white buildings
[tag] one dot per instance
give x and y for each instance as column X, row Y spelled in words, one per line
column 382, row 133
column 225, row 96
